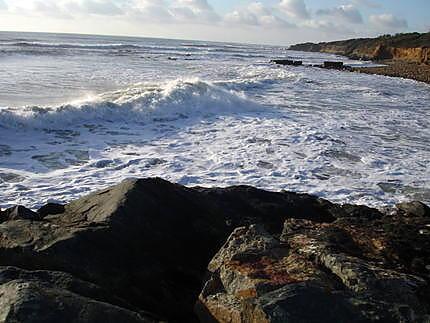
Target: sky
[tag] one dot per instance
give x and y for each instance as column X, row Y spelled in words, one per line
column 281, row 22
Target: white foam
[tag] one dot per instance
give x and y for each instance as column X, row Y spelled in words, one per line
column 140, row 103
column 216, row 120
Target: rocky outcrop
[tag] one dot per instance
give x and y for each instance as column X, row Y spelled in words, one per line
column 419, row 55
column 139, row 252
column 414, row 47
column 402, row 69
column 47, row 296
column 147, row 241
column 18, row 212
column 356, row 269
column 51, row 209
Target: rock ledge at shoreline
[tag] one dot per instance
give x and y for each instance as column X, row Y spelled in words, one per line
column 402, row 55
column 151, row 251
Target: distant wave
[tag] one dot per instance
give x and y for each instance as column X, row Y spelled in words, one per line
column 72, row 45
column 47, row 48
column 42, row 48
column 142, row 103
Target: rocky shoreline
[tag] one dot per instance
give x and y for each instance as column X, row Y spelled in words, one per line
column 403, row 55
column 392, row 68
column 152, row 251
column 396, row 68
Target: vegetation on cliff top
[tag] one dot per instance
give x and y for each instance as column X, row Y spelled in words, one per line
column 412, row 47
column 408, row 40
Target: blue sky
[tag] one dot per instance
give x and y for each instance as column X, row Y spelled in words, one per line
column 264, row 21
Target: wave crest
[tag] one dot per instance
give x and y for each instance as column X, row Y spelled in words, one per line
column 142, row 103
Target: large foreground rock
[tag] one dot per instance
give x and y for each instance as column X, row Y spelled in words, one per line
column 44, row 296
column 147, row 242
column 144, row 246
column 352, row 270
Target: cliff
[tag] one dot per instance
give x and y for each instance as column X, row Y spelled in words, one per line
column 412, row 47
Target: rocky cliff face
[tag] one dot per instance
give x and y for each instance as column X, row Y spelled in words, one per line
column 139, row 252
column 418, row 55
column 408, row 47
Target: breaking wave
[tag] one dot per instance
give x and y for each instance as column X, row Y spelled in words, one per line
column 141, row 103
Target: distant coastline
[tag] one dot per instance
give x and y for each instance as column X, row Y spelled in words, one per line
column 404, row 55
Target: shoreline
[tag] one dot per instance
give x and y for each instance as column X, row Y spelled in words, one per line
column 405, row 55
column 396, row 68
column 392, row 68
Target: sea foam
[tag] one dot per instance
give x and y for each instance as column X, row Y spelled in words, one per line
column 201, row 113
column 141, row 103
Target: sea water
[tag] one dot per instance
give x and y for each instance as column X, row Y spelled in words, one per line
column 79, row 113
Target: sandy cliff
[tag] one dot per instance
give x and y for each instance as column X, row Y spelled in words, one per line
column 414, row 47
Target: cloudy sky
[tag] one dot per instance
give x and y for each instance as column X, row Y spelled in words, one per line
column 264, row 21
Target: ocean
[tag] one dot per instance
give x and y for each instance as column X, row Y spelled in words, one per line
column 79, row 113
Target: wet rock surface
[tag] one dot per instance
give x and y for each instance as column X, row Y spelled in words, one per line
column 144, row 246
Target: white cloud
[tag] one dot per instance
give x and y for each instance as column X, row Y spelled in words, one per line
column 329, row 28
column 256, row 14
column 288, row 21
column 145, row 11
column 63, row 9
column 193, row 11
column 242, row 17
column 100, row 7
column 149, row 10
column 46, row 8
column 179, row 11
column 388, row 21
column 347, row 13
column 295, row 8
column 196, row 5
column 92, row 7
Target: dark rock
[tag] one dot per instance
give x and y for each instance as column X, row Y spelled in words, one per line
column 144, row 246
column 51, row 209
column 245, row 205
column 360, row 211
column 149, row 241
column 414, row 209
column 44, row 296
column 382, row 52
column 287, row 62
column 305, row 302
column 314, row 273
column 333, row 65
column 19, row 213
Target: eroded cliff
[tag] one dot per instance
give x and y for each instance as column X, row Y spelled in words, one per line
column 413, row 47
